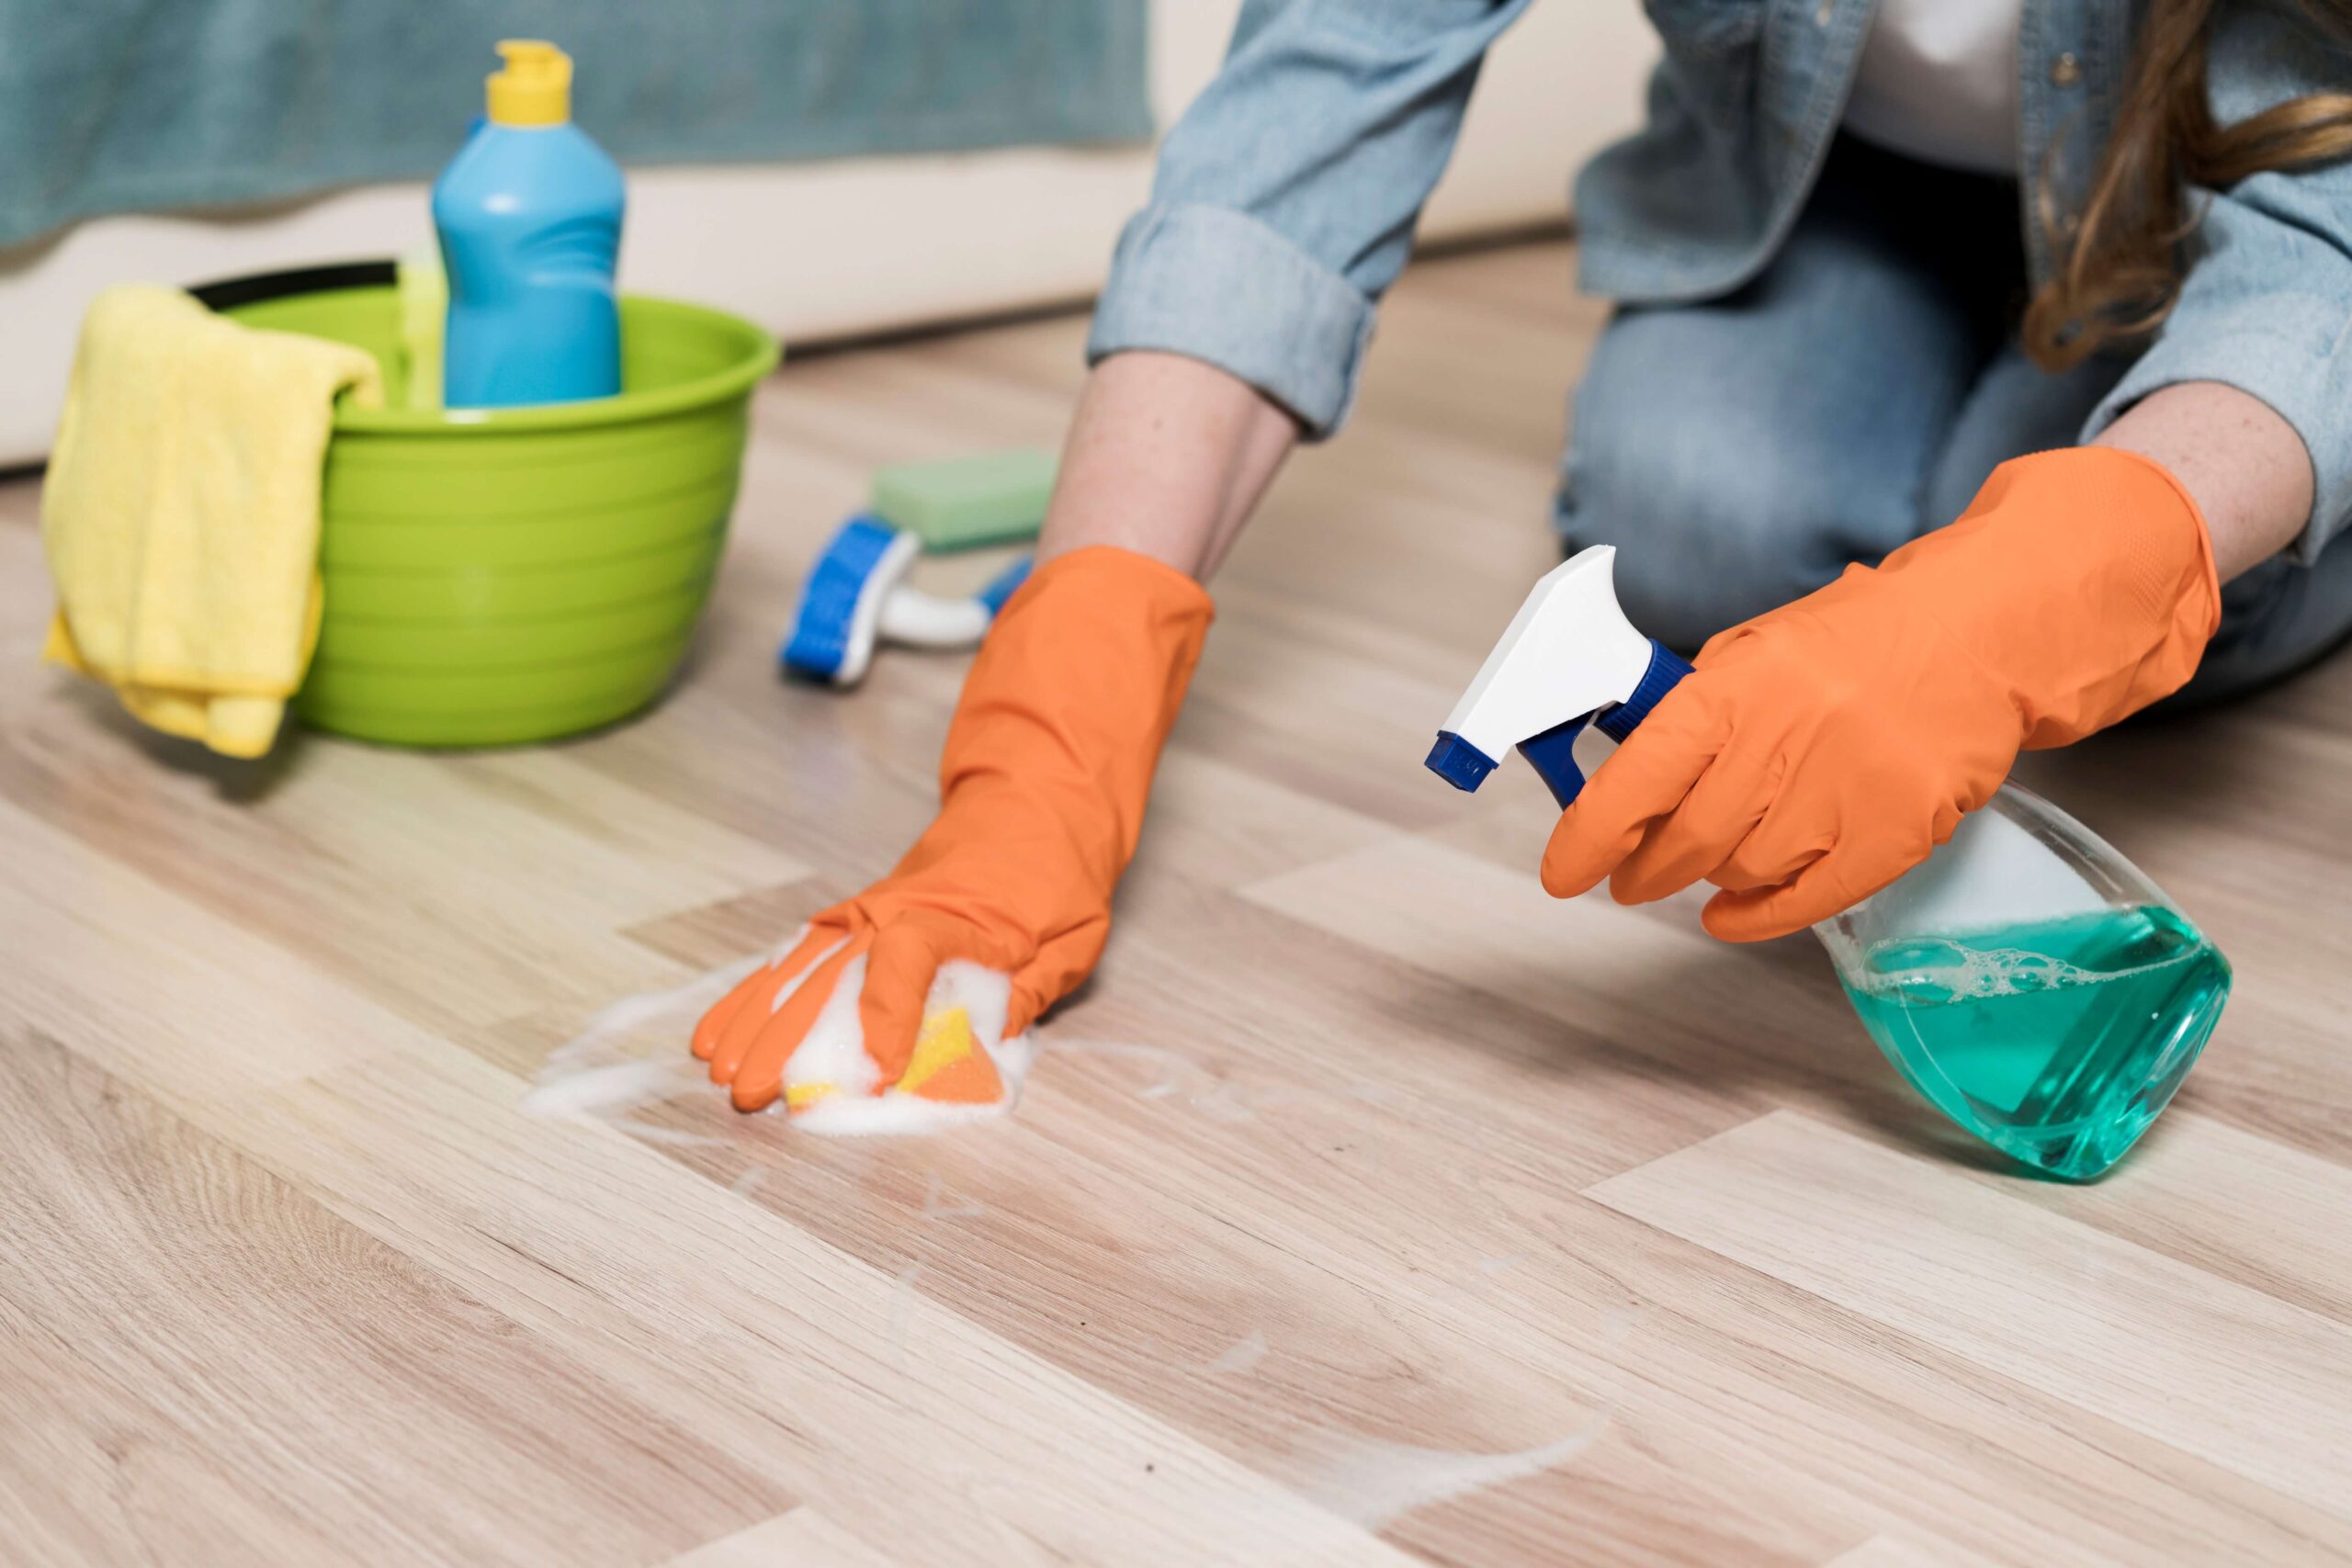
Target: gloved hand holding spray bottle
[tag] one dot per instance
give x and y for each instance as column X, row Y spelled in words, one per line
column 1839, row 761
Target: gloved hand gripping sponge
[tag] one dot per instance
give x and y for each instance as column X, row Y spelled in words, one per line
column 963, row 1067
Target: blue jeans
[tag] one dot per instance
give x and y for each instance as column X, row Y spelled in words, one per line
column 1741, row 452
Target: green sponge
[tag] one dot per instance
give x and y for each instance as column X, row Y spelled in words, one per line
column 961, row 503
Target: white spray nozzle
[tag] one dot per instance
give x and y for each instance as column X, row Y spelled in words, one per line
column 1567, row 652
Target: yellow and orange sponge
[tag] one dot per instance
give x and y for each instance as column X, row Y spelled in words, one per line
column 961, row 1070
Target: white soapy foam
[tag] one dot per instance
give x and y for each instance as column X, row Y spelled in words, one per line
column 631, row 1013
column 833, row 1050
column 1225, row 1102
column 836, row 1043
column 900, row 1115
column 1375, row 1482
column 784, row 993
column 566, row 1087
column 933, row 1209
column 1968, row 974
column 984, row 994
column 1243, row 1355
column 1219, row 1098
column 1175, row 1068
column 633, row 1053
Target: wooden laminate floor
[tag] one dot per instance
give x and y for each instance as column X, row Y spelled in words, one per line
column 1368, row 1207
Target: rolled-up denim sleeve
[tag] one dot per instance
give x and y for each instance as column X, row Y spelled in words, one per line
column 2267, row 303
column 1285, row 198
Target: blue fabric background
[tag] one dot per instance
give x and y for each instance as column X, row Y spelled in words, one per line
column 110, row 105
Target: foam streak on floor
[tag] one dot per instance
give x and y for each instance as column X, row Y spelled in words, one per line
column 1370, row 1207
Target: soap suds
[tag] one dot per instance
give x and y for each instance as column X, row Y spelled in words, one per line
column 1175, row 1068
column 836, row 1043
column 1244, row 1355
column 1180, row 1077
column 832, row 1053
column 633, row 1053
column 786, row 950
column 934, row 1208
column 696, row 995
column 617, row 1061
column 1375, row 1482
column 568, row 1086
column 1224, row 1103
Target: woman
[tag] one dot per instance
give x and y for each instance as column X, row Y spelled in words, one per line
column 1869, row 257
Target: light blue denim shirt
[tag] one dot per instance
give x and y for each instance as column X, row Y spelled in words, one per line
column 1286, row 197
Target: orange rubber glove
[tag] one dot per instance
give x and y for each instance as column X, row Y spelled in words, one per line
column 1042, row 784
column 1821, row 751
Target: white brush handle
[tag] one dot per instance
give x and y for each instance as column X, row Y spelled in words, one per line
column 915, row 619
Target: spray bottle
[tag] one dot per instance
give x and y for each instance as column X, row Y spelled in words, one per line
column 2025, row 979
column 529, row 216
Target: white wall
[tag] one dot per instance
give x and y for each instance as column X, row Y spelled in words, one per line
column 815, row 250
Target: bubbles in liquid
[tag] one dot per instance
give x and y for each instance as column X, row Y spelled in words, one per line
column 2056, row 1042
column 1931, row 969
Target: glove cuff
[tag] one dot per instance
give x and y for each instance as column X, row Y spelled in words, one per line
column 1126, row 576
column 1072, row 697
column 2083, row 577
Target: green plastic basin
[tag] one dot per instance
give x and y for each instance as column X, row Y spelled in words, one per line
column 519, row 574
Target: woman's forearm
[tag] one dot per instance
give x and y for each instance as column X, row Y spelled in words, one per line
column 1167, row 457
column 2244, row 466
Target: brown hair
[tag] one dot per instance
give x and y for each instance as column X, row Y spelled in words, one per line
column 2121, row 276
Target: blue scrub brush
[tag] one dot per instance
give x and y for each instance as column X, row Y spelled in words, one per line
column 857, row 596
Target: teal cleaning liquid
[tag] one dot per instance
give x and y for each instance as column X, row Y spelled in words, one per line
column 2058, row 1042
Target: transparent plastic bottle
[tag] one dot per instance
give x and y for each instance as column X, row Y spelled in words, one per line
column 2025, row 977
column 2033, row 986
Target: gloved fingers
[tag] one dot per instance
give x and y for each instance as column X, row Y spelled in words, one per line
column 758, row 988
column 1787, row 841
column 757, row 1076
column 1062, row 964
column 1648, row 776
column 760, row 982
column 770, row 1032
column 899, row 972
column 1024, row 1008
column 1722, row 809
column 1718, row 649
column 1838, row 880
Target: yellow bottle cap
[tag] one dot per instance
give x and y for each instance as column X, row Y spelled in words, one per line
column 535, row 87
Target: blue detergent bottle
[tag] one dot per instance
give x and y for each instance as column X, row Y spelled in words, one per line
column 529, row 218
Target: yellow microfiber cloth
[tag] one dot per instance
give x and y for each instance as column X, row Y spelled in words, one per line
column 181, row 512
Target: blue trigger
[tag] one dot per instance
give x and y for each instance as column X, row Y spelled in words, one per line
column 1552, row 753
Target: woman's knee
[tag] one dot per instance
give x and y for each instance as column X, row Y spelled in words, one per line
column 1707, row 535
